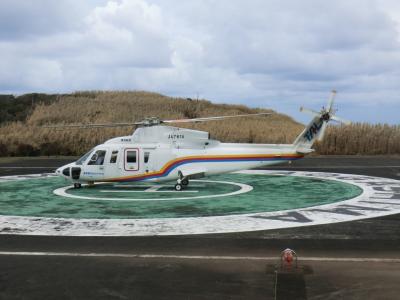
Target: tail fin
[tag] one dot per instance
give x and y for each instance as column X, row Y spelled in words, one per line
column 315, row 130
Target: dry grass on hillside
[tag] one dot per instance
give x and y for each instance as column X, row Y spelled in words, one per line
column 108, row 107
column 29, row 138
column 361, row 138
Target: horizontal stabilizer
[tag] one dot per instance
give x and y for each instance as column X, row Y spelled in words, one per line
column 304, row 150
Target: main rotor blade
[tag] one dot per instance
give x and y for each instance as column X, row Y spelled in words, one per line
column 340, row 120
column 196, row 120
column 87, row 126
column 309, row 111
column 148, row 122
column 330, row 101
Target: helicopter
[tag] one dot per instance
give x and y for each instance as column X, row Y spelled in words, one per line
column 159, row 152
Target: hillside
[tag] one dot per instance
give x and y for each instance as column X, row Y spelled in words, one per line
column 361, row 139
column 29, row 138
column 21, row 119
column 18, row 108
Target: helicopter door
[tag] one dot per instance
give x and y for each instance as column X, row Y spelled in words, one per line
column 131, row 159
column 112, row 165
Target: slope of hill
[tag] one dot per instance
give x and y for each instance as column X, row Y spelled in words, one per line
column 361, row 139
column 28, row 138
column 18, row 108
column 21, row 118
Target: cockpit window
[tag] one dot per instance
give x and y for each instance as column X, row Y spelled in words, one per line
column 83, row 158
column 114, row 156
column 97, row 158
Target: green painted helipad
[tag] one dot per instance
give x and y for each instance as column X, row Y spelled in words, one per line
column 230, row 194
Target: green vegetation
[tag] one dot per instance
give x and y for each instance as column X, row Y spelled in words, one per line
column 21, row 119
column 18, row 108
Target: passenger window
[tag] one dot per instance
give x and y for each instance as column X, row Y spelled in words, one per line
column 131, row 157
column 146, row 157
column 114, row 156
column 97, row 158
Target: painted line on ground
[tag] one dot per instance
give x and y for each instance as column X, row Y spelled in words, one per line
column 244, row 188
column 14, row 167
column 115, row 191
column 200, row 257
column 151, row 185
column 273, row 167
column 332, row 167
column 26, row 176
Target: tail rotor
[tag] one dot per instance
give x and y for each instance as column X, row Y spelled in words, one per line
column 316, row 129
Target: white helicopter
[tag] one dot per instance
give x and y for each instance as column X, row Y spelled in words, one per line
column 155, row 152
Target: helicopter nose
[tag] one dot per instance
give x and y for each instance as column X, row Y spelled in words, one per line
column 58, row 171
column 64, row 171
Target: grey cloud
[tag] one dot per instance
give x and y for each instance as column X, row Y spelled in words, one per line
column 305, row 40
column 88, row 57
column 281, row 54
column 27, row 19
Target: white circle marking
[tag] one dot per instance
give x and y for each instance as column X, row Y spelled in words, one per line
column 380, row 197
column 244, row 188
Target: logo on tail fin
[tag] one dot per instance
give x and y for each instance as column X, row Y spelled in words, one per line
column 313, row 131
column 317, row 127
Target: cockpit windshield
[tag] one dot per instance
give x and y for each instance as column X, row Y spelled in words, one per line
column 83, row 158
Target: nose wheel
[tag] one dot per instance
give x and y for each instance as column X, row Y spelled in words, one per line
column 77, row 185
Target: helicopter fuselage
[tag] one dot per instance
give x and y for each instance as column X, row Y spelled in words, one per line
column 164, row 153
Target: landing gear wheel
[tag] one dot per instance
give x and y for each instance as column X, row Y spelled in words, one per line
column 77, row 185
column 178, row 187
column 185, row 182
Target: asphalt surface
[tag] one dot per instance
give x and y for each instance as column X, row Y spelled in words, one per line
column 220, row 266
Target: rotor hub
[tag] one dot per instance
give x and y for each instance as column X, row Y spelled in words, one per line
column 152, row 121
column 326, row 116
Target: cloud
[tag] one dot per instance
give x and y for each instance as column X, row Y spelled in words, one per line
column 117, row 36
column 129, row 34
column 29, row 19
column 262, row 53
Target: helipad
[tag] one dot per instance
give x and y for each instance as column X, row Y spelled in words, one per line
column 244, row 201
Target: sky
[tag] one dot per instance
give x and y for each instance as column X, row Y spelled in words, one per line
column 279, row 54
